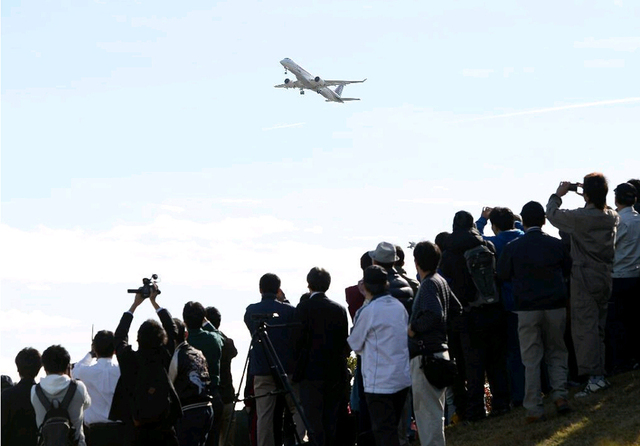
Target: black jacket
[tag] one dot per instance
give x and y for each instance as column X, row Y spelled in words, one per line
column 434, row 305
column 454, row 266
column 192, row 380
column 229, row 351
column 128, row 361
column 400, row 288
column 321, row 346
column 536, row 265
column 18, row 417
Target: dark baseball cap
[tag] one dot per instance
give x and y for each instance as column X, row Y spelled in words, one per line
column 626, row 190
column 375, row 275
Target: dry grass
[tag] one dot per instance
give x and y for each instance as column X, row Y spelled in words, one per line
column 610, row 418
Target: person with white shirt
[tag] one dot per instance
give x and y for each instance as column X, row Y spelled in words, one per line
column 379, row 335
column 100, row 377
column 623, row 330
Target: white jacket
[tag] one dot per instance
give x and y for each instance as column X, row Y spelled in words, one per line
column 380, row 337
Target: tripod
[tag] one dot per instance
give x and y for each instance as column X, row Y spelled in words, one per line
column 283, row 385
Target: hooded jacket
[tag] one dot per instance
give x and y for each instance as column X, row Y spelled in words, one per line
column 55, row 388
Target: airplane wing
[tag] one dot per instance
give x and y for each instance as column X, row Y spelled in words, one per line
column 332, row 83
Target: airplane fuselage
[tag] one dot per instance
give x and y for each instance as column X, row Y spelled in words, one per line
column 308, row 81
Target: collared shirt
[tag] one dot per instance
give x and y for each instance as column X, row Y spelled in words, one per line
column 100, row 378
column 592, row 231
column 627, row 256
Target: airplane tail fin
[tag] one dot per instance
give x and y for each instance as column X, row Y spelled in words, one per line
column 339, row 89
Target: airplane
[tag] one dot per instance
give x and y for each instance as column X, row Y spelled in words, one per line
column 305, row 80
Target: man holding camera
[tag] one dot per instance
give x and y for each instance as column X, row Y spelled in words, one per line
column 592, row 230
column 264, row 383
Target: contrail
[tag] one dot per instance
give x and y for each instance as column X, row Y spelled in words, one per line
column 551, row 109
column 297, row 124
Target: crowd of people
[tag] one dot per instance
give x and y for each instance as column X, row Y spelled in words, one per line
column 521, row 311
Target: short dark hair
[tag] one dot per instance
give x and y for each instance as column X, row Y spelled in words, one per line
column 270, row 283
column 503, row 218
column 193, row 314
column 103, row 344
column 151, row 335
column 626, row 194
column 55, row 359
column 427, row 256
column 463, row 220
column 28, row 362
column 441, row 239
column 532, row 214
column 181, row 329
column 318, row 279
column 365, row 261
column 214, row 316
column 596, row 188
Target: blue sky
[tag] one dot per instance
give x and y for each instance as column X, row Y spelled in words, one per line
column 142, row 137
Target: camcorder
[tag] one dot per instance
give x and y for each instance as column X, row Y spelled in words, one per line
column 147, row 285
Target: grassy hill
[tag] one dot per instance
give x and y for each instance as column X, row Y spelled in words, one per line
column 609, row 418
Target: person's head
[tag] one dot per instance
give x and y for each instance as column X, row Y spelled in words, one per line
column 269, row 283
column 463, row 221
column 28, row 362
column 103, row 345
column 375, row 280
column 635, row 183
column 532, row 214
column 365, row 261
column 441, row 239
column 427, row 257
column 626, row 195
column 595, row 189
column 193, row 315
column 400, row 253
column 501, row 219
column 214, row 316
column 318, row 279
column 182, row 329
column 151, row 335
column 384, row 255
column 55, row 360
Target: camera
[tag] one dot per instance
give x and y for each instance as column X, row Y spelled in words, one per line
column 147, row 284
column 574, row 187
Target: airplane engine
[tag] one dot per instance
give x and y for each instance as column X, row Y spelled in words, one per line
column 319, row 81
column 288, row 83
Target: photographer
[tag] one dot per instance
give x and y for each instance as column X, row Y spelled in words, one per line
column 592, row 230
column 145, row 399
column 263, row 379
column 101, row 378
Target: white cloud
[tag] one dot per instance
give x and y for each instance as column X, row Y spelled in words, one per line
column 477, row 72
column 16, row 320
column 528, row 69
column 604, row 63
column 506, row 71
column 433, row 200
column 168, row 207
column 627, row 44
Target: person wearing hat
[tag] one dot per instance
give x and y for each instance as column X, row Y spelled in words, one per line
column 622, row 327
column 379, row 335
column 385, row 256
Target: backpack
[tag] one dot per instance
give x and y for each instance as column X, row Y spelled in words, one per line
column 56, row 428
column 481, row 263
column 153, row 394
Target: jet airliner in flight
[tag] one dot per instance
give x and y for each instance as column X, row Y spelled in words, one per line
column 306, row 81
